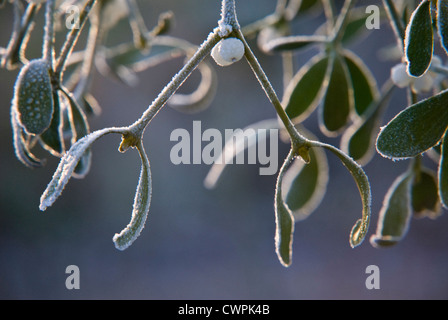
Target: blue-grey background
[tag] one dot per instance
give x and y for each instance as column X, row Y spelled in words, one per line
column 199, row 243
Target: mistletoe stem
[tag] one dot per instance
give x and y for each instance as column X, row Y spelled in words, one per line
column 139, row 126
column 71, row 39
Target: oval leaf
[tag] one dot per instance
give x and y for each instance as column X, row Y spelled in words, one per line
column 425, row 196
column 305, row 90
column 415, row 129
column 33, row 97
column 338, row 100
column 394, row 217
column 419, row 40
column 140, row 210
column 365, row 89
column 442, row 23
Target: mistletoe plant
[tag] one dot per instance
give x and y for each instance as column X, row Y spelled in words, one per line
column 52, row 102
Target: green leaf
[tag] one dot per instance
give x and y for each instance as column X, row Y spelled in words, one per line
column 305, row 184
column 52, row 138
column 338, row 100
column 293, row 43
column 442, row 23
column 68, row 164
column 33, row 97
column 443, row 172
column 358, row 140
column 140, row 210
column 419, row 40
column 394, row 217
column 305, row 90
column 415, row 129
column 365, row 89
column 284, row 219
column 425, row 197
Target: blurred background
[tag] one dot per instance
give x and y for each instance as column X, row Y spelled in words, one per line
column 199, row 243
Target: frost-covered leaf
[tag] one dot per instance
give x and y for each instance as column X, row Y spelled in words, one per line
column 305, row 90
column 201, row 98
column 68, row 164
column 284, row 219
column 304, row 185
column 79, row 128
column 394, row 217
column 141, row 206
column 415, row 129
column 33, row 97
column 419, row 41
column 361, row 226
column 443, row 172
column 365, row 89
column 20, row 144
column 358, row 141
column 52, row 138
column 442, row 23
column 338, row 100
column 425, row 196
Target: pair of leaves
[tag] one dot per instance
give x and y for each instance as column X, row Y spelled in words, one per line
column 300, row 187
column 38, row 110
column 419, row 40
column 341, row 84
column 285, row 217
column 66, row 169
column 413, row 192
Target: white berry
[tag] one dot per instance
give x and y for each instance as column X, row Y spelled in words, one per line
column 228, row 51
column 399, row 76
